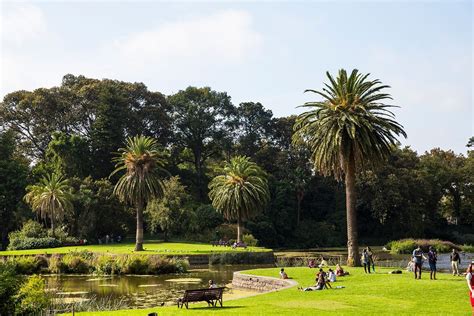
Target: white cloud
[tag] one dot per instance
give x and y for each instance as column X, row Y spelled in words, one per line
column 225, row 37
column 22, row 22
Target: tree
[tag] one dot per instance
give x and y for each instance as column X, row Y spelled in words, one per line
column 201, row 123
column 13, row 179
column 168, row 213
column 349, row 128
column 240, row 192
column 143, row 163
column 50, row 198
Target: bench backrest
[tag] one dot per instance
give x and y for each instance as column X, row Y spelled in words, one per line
column 203, row 294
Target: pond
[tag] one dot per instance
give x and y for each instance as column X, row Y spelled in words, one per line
column 141, row 291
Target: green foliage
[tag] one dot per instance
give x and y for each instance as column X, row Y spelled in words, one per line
column 32, row 296
column 241, row 191
column 77, row 262
column 468, row 248
column 249, row 240
column 107, row 264
column 406, row 246
column 170, row 212
column 51, row 197
column 33, row 243
column 9, row 283
column 244, row 257
column 56, row 265
column 134, row 264
column 28, row 264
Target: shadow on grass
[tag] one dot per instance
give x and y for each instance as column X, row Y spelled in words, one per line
column 214, row 308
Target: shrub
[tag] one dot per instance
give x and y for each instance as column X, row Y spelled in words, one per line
column 33, row 229
column 26, row 264
column 22, row 243
column 32, row 298
column 134, row 264
column 406, row 246
column 467, row 248
column 77, row 262
column 249, row 240
column 9, row 283
column 56, row 265
column 106, row 264
column 241, row 258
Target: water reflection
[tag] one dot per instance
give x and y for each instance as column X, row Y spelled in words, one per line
column 144, row 291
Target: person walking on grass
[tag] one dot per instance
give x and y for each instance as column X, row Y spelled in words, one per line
column 432, row 258
column 418, row 258
column 455, row 261
column 366, row 260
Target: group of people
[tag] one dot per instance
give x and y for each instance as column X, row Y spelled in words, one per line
column 418, row 257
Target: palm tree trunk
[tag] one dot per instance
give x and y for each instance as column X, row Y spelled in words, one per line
column 239, row 233
column 139, row 236
column 52, row 221
column 352, row 242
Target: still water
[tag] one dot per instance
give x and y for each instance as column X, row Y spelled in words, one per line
column 143, row 291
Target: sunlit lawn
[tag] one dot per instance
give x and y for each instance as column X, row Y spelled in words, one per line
column 151, row 247
column 374, row 294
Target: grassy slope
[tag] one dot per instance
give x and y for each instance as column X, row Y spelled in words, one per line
column 166, row 248
column 375, row 294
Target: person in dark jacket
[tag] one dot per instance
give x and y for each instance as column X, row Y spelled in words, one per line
column 432, row 259
column 455, row 261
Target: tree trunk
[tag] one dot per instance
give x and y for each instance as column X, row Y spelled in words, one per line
column 352, row 242
column 52, row 221
column 239, row 232
column 139, row 236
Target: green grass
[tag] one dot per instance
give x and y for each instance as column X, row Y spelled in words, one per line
column 374, row 294
column 151, row 247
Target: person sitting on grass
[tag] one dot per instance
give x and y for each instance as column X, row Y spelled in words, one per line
column 331, row 276
column 320, row 282
column 311, row 263
column 283, row 274
column 340, row 271
column 323, row 263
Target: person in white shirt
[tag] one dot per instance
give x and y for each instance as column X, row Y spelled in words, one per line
column 283, row 274
column 331, row 276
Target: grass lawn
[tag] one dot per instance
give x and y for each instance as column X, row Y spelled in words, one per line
column 151, row 247
column 374, row 294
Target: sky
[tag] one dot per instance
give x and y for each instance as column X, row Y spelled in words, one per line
column 260, row 51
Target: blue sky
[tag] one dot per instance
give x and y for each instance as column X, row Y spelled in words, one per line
column 268, row 52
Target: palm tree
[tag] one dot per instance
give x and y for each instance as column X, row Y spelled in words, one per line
column 143, row 163
column 51, row 198
column 349, row 128
column 240, row 191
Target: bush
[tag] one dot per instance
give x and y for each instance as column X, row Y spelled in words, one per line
column 56, row 265
column 106, row 264
column 406, row 246
column 32, row 298
column 28, row 264
column 241, row 258
column 22, row 243
column 77, row 262
column 249, row 240
column 467, row 248
column 33, row 229
column 134, row 264
column 9, row 284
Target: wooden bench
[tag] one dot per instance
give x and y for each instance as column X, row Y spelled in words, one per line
column 211, row 296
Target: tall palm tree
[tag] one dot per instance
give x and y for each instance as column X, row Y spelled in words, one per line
column 349, row 128
column 143, row 163
column 240, row 192
column 51, row 198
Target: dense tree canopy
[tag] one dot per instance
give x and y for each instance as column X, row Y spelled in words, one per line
column 77, row 128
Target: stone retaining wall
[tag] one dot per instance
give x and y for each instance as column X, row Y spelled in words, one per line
column 260, row 283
